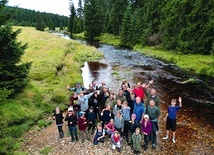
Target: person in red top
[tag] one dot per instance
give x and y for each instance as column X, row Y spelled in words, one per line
column 116, row 139
column 82, row 124
column 139, row 89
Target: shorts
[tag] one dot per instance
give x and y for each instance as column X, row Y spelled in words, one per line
column 171, row 124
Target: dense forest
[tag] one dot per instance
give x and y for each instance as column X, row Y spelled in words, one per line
column 178, row 25
column 26, row 17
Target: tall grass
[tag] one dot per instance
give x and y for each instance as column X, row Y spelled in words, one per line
column 56, row 62
column 195, row 63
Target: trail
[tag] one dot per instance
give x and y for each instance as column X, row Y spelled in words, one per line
column 192, row 137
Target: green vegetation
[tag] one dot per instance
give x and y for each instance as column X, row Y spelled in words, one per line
column 45, row 150
column 108, row 39
column 26, row 17
column 178, row 25
column 56, row 62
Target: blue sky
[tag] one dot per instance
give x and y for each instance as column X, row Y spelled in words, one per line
column 60, row 7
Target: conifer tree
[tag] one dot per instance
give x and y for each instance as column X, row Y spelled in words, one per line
column 126, row 27
column 72, row 19
column 93, row 15
column 13, row 73
column 40, row 23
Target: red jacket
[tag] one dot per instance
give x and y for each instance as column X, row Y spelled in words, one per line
column 81, row 124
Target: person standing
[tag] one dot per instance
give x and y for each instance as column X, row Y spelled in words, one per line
column 138, row 110
column 170, row 118
column 136, row 139
column 146, row 130
column 72, row 123
column 58, row 117
column 153, row 112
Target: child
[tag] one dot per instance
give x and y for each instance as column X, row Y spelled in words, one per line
column 170, row 118
column 117, row 107
column 119, row 122
column 72, row 122
column 146, row 129
column 136, row 138
column 73, row 102
column 116, row 139
column 105, row 115
column 82, row 123
column 91, row 119
column 59, row 121
column 110, row 127
column 99, row 134
column 126, row 117
column 132, row 126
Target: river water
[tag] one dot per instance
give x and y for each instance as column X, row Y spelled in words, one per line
column 124, row 64
column 171, row 82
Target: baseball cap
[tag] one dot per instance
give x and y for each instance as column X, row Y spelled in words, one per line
column 146, row 116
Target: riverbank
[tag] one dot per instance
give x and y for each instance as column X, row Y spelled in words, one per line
column 56, row 62
column 193, row 63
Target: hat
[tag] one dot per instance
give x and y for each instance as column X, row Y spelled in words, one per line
column 81, row 113
column 91, row 107
column 146, row 116
column 70, row 108
column 134, row 116
column 77, row 82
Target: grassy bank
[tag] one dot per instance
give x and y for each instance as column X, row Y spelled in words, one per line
column 56, row 62
column 195, row 63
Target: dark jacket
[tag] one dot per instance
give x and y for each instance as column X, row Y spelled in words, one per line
column 91, row 117
column 72, row 119
column 59, row 118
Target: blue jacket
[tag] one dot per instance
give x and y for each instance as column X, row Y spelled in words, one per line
column 138, row 110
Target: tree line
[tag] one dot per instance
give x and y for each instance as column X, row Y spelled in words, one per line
column 179, row 25
column 40, row 20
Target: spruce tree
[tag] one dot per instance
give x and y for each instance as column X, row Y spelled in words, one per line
column 94, row 17
column 126, row 27
column 40, row 23
column 72, row 19
column 13, row 73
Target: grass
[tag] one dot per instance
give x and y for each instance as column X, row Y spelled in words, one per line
column 56, row 62
column 195, row 63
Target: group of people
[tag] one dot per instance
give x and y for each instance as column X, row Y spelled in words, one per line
column 100, row 112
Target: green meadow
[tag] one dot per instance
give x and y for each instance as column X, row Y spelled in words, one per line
column 56, row 62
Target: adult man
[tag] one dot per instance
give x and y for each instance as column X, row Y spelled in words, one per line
column 77, row 89
column 138, row 109
column 153, row 112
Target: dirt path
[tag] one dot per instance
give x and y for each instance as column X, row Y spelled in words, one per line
column 192, row 138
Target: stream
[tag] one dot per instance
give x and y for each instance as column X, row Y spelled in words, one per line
column 170, row 81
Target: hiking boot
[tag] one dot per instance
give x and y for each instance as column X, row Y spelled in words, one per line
column 134, row 151
column 153, row 146
column 72, row 139
column 145, row 148
column 137, row 152
column 77, row 139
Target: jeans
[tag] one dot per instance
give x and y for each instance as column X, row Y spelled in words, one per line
column 146, row 140
column 60, row 130
column 95, row 141
column 72, row 131
column 152, row 136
